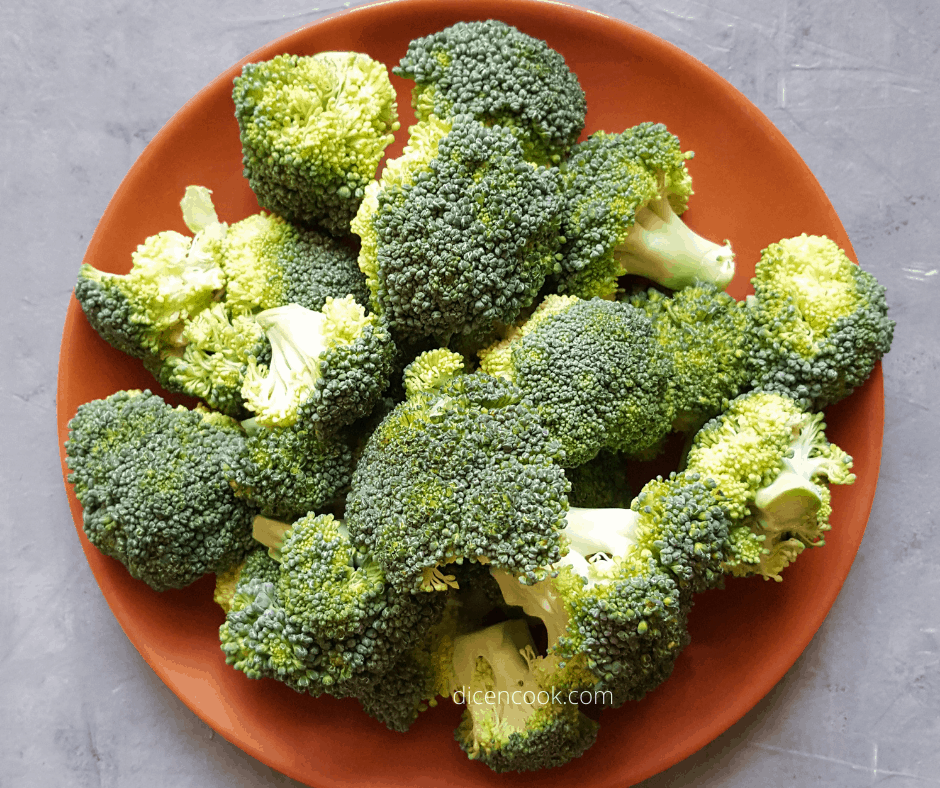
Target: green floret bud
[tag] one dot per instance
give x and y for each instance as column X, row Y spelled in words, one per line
column 432, row 369
column 151, row 481
column 820, row 322
column 286, row 472
column 269, row 262
column 172, row 278
column 328, row 367
column 313, row 130
column 512, row 721
column 772, row 462
column 462, row 241
column 704, row 332
column 593, row 372
column 625, row 192
column 498, row 75
column 462, row 473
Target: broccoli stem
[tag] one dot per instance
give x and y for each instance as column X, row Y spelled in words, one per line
column 270, row 533
column 661, row 247
column 787, row 502
column 539, row 600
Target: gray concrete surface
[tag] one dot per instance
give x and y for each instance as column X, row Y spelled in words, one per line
column 853, row 84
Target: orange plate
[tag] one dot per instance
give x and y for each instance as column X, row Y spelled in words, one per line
column 750, row 187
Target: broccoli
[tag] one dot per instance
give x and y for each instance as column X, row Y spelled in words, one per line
column 313, row 130
column 328, row 622
column 151, row 480
column 286, row 472
column 624, row 193
column 593, row 372
column 213, row 358
column 773, row 463
column 432, row 369
column 465, row 472
column 328, row 367
column 173, row 277
column 514, row 720
column 820, row 322
column 459, row 233
column 257, row 563
column 498, row 75
column 268, row 262
column 615, row 610
column 704, row 332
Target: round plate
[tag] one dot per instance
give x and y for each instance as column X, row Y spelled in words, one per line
column 750, row 187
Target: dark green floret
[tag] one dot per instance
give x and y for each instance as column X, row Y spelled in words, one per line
column 462, row 473
column 152, row 482
column 820, row 322
column 329, row 622
column 593, row 372
column 460, row 232
column 313, row 130
column 498, row 75
column 624, row 196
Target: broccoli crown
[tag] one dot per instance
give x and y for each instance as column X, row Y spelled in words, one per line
column 462, row 234
column 172, row 278
column 498, row 75
column 286, row 472
column 328, row 367
column 514, row 719
column 820, row 322
column 313, row 130
column 624, row 192
column 214, row 357
column 464, row 472
column 593, row 372
column 773, row 464
column 601, row 483
column 269, row 262
column 257, row 563
column 152, row 484
column 328, row 622
column 431, row 370
column 703, row 330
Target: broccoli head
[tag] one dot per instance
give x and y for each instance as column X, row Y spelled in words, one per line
column 173, row 277
column 460, row 232
column 820, row 322
column 624, row 195
column 313, row 130
column 592, row 371
column 704, row 331
column 328, row 367
column 465, row 472
column 498, row 75
column 773, row 463
column 152, row 482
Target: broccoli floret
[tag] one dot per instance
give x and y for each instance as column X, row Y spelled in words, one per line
column 462, row 473
column 704, row 332
column 258, row 563
column 601, row 483
column 593, row 372
column 773, row 463
column 820, row 322
column 269, row 262
column 328, row 367
column 172, row 278
column 514, row 719
column 286, row 472
column 624, row 192
column 328, row 623
column 313, row 130
column 616, row 609
column 498, row 75
column 211, row 364
column 460, row 232
column 152, row 484
column 431, row 370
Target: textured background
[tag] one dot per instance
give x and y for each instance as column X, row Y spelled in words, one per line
column 853, row 84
